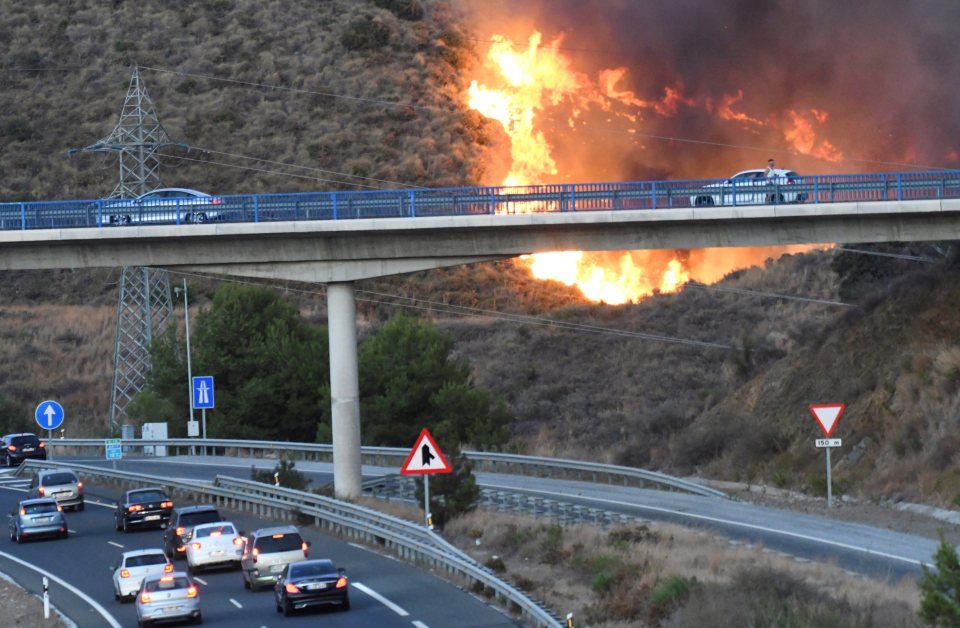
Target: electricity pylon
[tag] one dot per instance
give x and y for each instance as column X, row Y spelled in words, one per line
column 145, row 306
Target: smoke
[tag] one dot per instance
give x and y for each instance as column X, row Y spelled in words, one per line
column 823, row 86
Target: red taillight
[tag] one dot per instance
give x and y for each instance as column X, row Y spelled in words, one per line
column 216, row 201
column 166, row 504
column 166, row 579
column 216, row 533
column 306, row 551
column 134, row 508
column 254, row 554
column 238, row 541
column 168, row 568
column 23, row 511
column 59, row 508
column 42, row 491
column 12, row 447
column 180, row 531
column 192, row 591
column 124, row 573
column 195, row 546
column 145, row 597
column 292, row 588
column 79, row 486
column 341, row 582
column 181, row 548
column 43, row 445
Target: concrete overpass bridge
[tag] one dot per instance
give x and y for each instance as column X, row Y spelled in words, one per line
column 338, row 238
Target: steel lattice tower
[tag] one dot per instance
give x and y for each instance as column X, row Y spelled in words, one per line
column 144, row 306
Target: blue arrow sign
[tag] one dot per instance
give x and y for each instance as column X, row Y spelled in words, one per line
column 49, row 415
column 202, row 392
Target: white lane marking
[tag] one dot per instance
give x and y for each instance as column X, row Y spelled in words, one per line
column 420, row 624
column 71, row 531
column 739, row 524
column 200, row 580
column 396, row 609
column 236, row 603
column 114, row 544
column 66, row 585
column 91, row 503
column 11, row 488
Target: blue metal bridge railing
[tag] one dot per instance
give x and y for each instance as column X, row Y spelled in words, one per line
column 412, row 203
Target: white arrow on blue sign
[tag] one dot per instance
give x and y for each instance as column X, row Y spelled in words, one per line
column 202, row 392
column 49, row 415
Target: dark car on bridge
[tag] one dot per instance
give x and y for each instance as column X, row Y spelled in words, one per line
column 19, row 447
column 141, row 508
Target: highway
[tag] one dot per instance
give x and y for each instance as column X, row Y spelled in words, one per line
column 864, row 549
column 384, row 591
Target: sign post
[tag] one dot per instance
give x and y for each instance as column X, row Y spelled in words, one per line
column 828, row 415
column 203, row 399
column 49, row 416
column 424, row 459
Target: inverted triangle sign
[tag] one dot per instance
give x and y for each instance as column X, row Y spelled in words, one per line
column 827, row 415
column 425, row 457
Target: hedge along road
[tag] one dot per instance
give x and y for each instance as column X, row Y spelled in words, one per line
column 864, row 549
column 384, row 592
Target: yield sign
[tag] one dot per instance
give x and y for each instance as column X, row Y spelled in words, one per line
column 827, row 415
column 425, row 457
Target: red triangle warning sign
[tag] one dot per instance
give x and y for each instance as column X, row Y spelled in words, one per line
column 827, row 415
column 425, row 457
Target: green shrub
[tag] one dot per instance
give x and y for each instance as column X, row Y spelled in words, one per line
column 672, row 591
column 365, row 34
column 285, row 471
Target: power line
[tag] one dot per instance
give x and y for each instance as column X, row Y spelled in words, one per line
column 912, row 258
column 756, row 293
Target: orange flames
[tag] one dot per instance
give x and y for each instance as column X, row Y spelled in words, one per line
column 539, row 79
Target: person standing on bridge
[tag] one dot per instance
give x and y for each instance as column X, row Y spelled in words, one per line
column 771, row 171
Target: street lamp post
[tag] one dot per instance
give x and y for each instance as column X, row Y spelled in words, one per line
column 186, row 319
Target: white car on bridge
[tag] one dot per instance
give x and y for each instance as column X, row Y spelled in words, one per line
column 751, row 187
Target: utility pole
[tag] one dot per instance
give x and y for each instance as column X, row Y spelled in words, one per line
column 145, row 305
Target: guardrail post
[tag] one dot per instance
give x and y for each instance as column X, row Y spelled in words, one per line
column 100, row 213
column 573, row 199
column 816, row 190
column 413, row 203
column 334, row 197
column 493, row 202
column 256, row 208
column 23, row 216
column 653, row 195
column 899, row 186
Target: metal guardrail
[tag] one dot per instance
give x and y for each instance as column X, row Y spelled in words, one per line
column 347, row 520
column 412, row 203
column 394, row 456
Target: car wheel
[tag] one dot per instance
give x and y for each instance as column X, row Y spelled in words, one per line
column 199, row 217
column 143, row 623
column 116, row 596
column 287, row 608
column 346, row 604
column 125, row 220
column 82, row 506
column 7, row 461
column 13, row 536
column 116, row 523
column 125, row 525
column 65, row 534
column 246, row 583
column 198, row 619
column 704, row 201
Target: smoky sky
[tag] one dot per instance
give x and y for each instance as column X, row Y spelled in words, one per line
column 884, row 74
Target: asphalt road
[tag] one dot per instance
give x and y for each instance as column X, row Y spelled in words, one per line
column 384, row 591
column 864, row 549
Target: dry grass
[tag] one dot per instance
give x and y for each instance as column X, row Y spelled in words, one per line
column 571, row 574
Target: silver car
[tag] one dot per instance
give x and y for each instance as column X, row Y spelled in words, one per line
column 267, row 552
column 752, row 187
column 38, row 517
column 164, row 206
column 170, row 596
column 62, row 485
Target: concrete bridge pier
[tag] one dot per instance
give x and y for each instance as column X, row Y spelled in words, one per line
column 344, row 389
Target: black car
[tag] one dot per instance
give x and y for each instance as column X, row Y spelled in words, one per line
column 310, row 583
column 19, row 447
column 142, row 507
column 180, row 529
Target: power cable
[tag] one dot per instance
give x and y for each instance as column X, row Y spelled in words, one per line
column 769, row 295
column 912, row 258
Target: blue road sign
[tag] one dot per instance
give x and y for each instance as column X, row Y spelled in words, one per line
column 49, row 415
column 114, row 449
column 202, row 392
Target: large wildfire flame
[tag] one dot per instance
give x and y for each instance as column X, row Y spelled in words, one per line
column 534, row 81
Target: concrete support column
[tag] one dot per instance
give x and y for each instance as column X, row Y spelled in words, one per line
column 344, row 389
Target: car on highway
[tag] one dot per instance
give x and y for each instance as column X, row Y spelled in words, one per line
column 267, row 552
column 164, row 206
column 134, row 567
column 141, row 508
column 168, row 597
column 311, row 583
column 63, row 485
column 19, row 447
column 179, row 530
column 751, row 187
column 214, row 545
column 36, row 518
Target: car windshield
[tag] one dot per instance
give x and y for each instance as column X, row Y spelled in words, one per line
column 309, row 570
column 146, row 559
column 224, row 530
column 278, row 543
column 147, row 496
column 166, row 583
column 58, row 478
column 37, row 509
column 196, row 518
